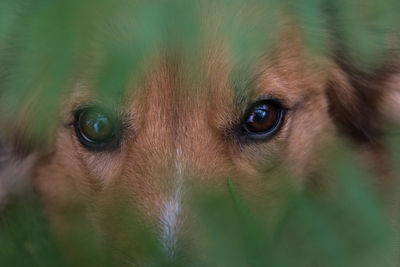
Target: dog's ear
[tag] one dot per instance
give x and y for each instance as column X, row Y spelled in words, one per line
column 17, row 159
column 360, row 105
column 20, row 153
column 360, row 101
column 365, row 79
column 15, row 172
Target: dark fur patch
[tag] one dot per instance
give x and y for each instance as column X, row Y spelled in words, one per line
column 360, row 118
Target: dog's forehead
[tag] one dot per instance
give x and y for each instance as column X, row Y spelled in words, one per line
column 212, row 83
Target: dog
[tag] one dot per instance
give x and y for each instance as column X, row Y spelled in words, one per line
column 179, row 129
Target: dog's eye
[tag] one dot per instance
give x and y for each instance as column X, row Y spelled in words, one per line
column 97, row 128
column 263, row 119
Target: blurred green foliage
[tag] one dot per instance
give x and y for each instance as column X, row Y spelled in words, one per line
column 348, row 229
column 46, row 46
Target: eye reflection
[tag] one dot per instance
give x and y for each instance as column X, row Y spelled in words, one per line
column 96, row 126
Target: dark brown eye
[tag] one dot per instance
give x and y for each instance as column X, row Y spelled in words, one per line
column 263, row 119
column 97, row 128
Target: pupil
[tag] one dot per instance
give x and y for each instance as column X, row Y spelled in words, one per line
column 96, row 126
column 260, row 114
column 99, row 123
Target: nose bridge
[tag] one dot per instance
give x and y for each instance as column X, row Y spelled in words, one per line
column 174, row 117
column 175, row 148
column 162, row 142
column 189, row 151
column 171, row 209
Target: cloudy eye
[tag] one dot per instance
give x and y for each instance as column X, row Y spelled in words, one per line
column 97, row 129
column 263, row 119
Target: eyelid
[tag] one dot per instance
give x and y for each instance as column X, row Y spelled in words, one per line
column 74, row 112
column 281, row 102
column 95, row 105
column 264, row 98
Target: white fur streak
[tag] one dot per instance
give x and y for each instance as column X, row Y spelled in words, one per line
column 171, row 212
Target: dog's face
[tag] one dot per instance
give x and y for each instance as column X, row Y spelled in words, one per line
column 174, row 133
column 171, row 134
